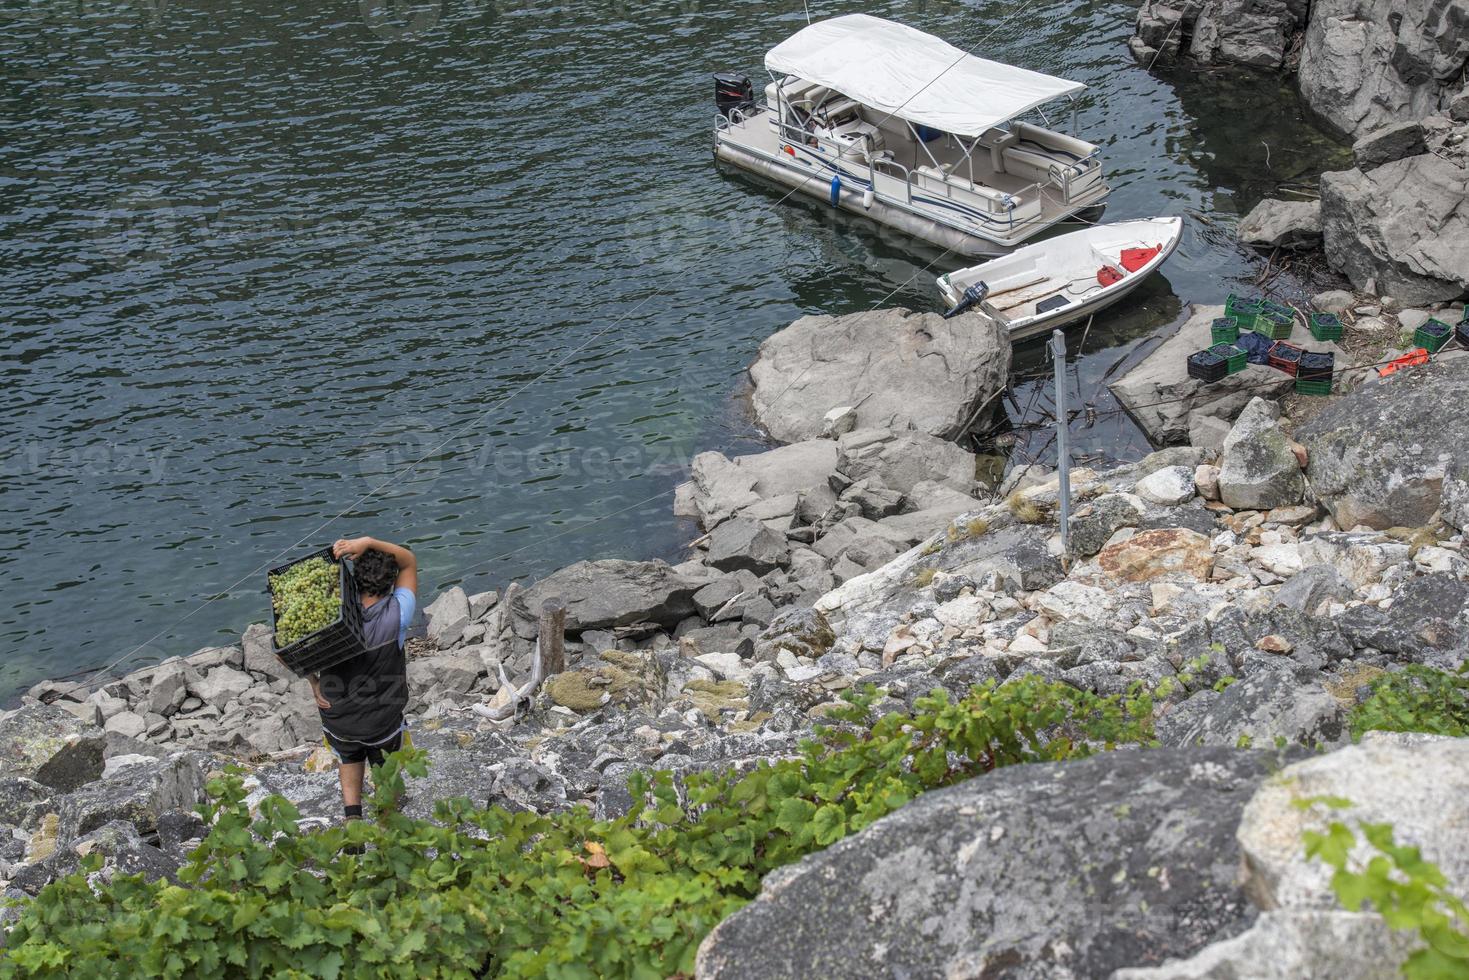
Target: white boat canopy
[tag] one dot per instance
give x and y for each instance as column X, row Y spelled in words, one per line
column 913, row 75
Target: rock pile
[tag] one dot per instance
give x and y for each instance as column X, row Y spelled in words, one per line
column 1217, row 575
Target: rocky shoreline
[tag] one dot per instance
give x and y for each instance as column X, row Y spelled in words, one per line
column 1258, row 578
column 1257, row 575
column 1391, row 77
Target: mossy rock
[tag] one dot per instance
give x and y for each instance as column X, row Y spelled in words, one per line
column 714, row 697
column 573, row 689
column 751, row 723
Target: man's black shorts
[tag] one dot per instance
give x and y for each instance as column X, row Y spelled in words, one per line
column 348, row 751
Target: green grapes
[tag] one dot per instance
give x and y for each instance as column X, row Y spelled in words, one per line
column 306, row 598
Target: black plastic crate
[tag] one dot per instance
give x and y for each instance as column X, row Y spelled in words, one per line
column 329, row 645
column 1207, row 366
column 1316, row 366
column 1461, row 332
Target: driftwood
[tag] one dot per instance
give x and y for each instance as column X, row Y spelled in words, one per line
column 549, row 648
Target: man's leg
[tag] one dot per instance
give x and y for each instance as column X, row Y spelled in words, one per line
column 349, row 774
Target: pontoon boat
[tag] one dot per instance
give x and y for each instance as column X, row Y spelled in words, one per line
column 887, row 121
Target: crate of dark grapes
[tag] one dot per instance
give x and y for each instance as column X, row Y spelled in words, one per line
column 317, row 613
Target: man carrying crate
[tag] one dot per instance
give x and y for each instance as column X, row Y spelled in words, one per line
column 362, row 699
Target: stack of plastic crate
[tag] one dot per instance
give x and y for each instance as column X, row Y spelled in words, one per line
column 1207, row 366
column 1224, row 330
column 1234, row 357
column 1285, row 357
column 1244, row 310
column 1314, row 372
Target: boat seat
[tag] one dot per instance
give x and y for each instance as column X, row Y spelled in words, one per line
column 998, row 200
column 997, row 141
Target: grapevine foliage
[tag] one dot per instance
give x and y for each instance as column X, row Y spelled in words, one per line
column 306, row 597
column 1409, row 892
column 486, row 892
column 1416, row 699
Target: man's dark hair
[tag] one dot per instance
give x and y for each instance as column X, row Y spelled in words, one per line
column 375, row 572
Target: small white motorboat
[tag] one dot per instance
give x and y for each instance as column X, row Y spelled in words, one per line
column 1063, row 279
column 886, row 121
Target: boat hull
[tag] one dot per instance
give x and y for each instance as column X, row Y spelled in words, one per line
column 851, row 199
column 1064, row 257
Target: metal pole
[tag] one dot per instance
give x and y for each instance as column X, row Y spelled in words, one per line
column 1063, row 458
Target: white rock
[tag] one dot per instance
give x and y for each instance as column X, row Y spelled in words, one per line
column 1434, row 559
column 1419, row 788
column 1282, row 559
column 127, row 723
column 1074, row 601
column 969, row 610
column 799, row 675
column 728, row 665
column 1025, row 643
column 118, row 763
column 1169, row 486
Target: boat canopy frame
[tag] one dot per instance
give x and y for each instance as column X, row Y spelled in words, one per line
column 915, row 76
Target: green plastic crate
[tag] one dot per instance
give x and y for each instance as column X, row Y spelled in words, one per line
column 1224, row 330
column 1234, row 356
column 1313, row 387
column 1325, row 326
column 1275, row 325
column 1433, row 335
column 1244, row 309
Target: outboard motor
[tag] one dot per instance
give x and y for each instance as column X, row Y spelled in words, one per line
column 732, row 91
column 972, row 297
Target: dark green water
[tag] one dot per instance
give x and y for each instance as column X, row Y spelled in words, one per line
column 256, row 258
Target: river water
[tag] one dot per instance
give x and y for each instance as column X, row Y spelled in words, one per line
column 257, row 258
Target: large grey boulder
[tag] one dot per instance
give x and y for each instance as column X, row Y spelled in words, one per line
column 720, row 487
column 1282, row 224
column 608, row 593
column 1160, row 396
column 903, row 459
column 1314, row 585
column 1289, row 703
column 139, row 790
column 123, row 852
column 1392, row 142
column 258, row 645
column 50, row 746
column 1454, row 502
column 897, row 368
column 1095, row 522
column 1295, row 944
column 1379, row 456
column 1036, row 871
column 1369, row 63
column 1402, row 225
column 1258, row 470
column 1417, row 785
column 1428, row 618
column 743, row 543
column 448, row 615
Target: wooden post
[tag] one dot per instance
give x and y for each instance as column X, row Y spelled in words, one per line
column 551, row 633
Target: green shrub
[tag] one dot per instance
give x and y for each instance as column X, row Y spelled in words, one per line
column 480, row 892
column 1407, row 891
column 1416, row 699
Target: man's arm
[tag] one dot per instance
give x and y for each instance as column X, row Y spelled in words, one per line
column 407, row 564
